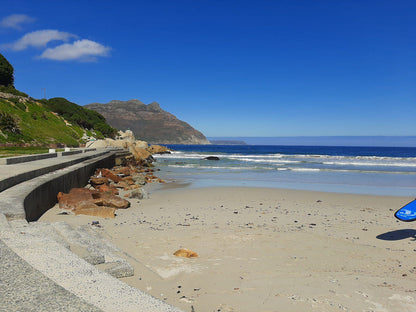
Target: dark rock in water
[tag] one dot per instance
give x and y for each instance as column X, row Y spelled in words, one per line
column 212, row 158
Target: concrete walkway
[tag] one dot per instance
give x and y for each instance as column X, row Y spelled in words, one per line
column 38, row 272
column 11, row 175
column 25, row 289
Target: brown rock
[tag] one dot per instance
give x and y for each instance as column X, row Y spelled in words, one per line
column 90, row 209
column 105, row 199
column 133, row 187
column 108, row 174
column 123, row 170
column 129, row 180
column 59, row 196
column 75, row 195
column 185, row 253
column 105, row 188
column 99, row 181
column 122, row 185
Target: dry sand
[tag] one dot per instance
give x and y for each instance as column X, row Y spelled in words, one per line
column 267, row 249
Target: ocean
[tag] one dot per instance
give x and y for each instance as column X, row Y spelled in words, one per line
column 344, row 169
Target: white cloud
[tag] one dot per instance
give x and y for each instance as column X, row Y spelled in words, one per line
column 15, row 21
column 38, row 39
column 83, row 50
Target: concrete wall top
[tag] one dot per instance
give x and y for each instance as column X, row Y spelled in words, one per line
column 26, row 158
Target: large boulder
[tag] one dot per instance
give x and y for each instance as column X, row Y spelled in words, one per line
column 158, row 149
column 105, row 188
column 107, row 173
column 99, row 181
column 142, row 156
column 90, row 209
column 92, row 202
column 108, row 200
column 140, row 144
column 75, row 196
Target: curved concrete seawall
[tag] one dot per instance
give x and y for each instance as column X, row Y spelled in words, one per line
column 30, row 199
column 40, row 272
column 43, row 196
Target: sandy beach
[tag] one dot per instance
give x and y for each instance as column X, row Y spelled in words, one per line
column 266, row 249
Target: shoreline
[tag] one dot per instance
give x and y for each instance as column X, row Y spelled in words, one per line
column 263, row 249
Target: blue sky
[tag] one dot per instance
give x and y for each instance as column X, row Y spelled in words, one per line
column 229, row 68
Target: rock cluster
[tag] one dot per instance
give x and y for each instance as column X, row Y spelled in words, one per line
column 100, row 197
column 140, row 150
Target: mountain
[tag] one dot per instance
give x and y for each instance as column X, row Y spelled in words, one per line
column 148, row 122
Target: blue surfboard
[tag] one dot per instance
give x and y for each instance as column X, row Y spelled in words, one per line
column 407, row 213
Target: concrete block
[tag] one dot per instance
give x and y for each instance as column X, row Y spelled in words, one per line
column 26, row 158
column 68, row 153
column 118, row 269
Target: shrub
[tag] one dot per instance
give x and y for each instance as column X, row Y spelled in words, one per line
column 8, row 123
column 79, row 115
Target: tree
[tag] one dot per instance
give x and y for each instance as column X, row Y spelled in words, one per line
column 6, row 72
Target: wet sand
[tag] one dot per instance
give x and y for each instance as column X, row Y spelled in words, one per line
column 266, row 249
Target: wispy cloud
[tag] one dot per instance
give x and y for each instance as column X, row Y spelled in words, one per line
column 15, row 21
column 81, row 50
column 39, row 39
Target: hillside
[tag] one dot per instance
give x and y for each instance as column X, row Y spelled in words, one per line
column 148, row 122
column 53, row 122
column 27, row 121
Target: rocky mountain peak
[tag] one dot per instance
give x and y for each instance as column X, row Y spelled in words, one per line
column 154, row 106
column 148, row 122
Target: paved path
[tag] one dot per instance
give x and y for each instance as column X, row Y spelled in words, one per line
column 22, row 288
column 11, row 175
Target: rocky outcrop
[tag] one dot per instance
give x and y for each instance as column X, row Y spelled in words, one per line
column 99, row 198
column 148, row 122
column 140, row 150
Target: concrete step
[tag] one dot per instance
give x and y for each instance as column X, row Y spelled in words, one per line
column 93, row 248
column 67, row 270
column 83, row 242
column 40, row 229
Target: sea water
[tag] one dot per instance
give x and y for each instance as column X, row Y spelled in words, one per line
column 345, row 169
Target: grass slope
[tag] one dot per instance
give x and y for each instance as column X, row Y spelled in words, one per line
column 38, row 125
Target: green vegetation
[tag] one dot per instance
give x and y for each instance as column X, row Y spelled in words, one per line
column 10, row 151
column 8, row 123
column 12, row 90
column 37, row 126
column 53, row 122
column 6, row 72
column 81, row 116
